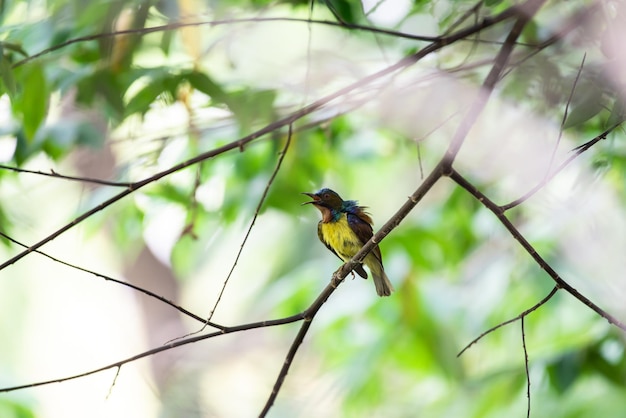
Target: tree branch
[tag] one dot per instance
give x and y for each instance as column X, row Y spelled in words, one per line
column 121, row 282
column 499, row 212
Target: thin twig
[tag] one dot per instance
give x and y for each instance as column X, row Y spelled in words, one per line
column 179, row 25
column 526, row 367
column 117, row 374
column 577, row 152
column 565, row 114
column 471, row 11
column 254, row 218
column 54, row 174
column 518, row 317
column 245, row 239
column 574, row 22
column 286, row 364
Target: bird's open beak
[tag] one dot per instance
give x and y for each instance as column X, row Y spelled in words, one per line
column 313, row 196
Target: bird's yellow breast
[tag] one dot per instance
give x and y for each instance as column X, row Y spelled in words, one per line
column 340, row 237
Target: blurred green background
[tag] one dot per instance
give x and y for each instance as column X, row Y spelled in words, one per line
column 124, row 107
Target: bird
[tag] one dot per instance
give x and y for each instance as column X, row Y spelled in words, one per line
column 345, row 227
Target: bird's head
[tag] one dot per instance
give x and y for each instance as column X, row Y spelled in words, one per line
column 327, row 201
column 325, row 198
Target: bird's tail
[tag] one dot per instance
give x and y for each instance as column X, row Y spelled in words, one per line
column 381, row 281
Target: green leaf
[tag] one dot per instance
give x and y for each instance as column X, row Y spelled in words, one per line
column 6, row 75
column 108, row 87
column 346, row 11
column 564, row 371
column 587, row 104
column 24, row 148
column 250, row 106
column 140, row 103
column 618, row 113
column 58, row 139
column 172, row 193
column 33, row 100
column 206, row 85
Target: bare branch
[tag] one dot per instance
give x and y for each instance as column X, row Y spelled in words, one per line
column 54, row 174
column 577, row 151
column 499, row 212
column 427, row 184
column 526, row 366
column 525, row 12
column 501, row 324
column 308, row 316
column 254, row 218
column 565, row 114
column 118, row 364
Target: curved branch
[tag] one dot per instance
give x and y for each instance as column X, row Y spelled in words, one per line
column 518, row 317
column 221, row 22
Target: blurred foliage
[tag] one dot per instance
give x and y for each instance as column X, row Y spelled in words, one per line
column 108, row 90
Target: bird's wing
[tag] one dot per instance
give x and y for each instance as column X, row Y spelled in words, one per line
column 363, row 230
column 359, row 268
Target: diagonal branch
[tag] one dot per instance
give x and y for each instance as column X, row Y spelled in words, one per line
column 525, row 13
column 562, row 284
column 54, row 174
column 123, row 283
column 307, row 316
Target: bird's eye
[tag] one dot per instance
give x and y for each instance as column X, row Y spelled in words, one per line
column 326, row 195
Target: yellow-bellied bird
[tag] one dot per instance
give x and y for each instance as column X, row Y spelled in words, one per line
column 345, row 227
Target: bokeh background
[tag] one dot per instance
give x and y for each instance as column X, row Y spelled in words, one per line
column 116, row 101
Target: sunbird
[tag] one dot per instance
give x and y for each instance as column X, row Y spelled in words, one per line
column 345, row 227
